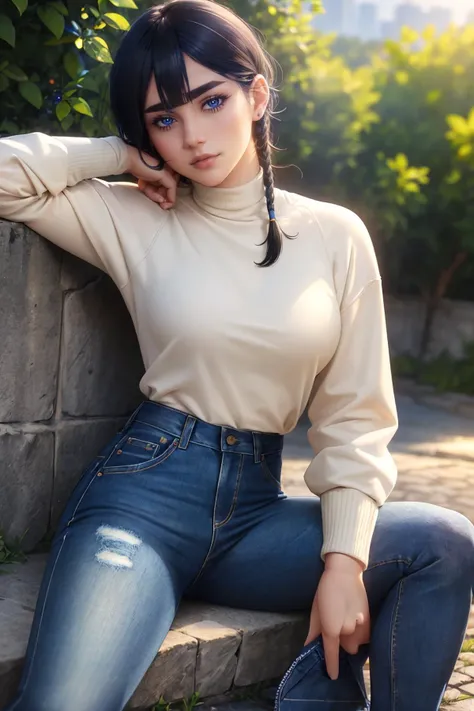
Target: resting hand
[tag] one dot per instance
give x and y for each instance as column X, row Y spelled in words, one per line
column 158, row 185
column 340, row 611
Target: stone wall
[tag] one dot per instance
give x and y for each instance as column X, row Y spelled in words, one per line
column 453, row 326
column 70, row 367
column 69, row 372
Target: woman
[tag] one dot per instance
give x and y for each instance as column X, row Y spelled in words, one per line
column 237, row 338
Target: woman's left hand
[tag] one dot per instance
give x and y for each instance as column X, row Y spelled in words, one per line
column 340, row 611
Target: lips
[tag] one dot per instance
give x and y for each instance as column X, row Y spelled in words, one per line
column 203, row 157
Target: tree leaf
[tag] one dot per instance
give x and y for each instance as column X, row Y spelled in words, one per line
column 98, row 49
column 81, row 106
column 4, row 83
column 60, row 7
column 124, row 3
column 89, row 126
column 458, row 124
column 118, row 22
column 7, row 30
column 20, row 5
column 14, row 72
column 32, row 93
column 53, row 20
column 72, row 64
column 9, row 127
column 67, row 122
column 89, row 83
column 62, row 110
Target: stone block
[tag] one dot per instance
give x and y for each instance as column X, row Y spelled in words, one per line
column 19, row 590
column 171, row 675
column 76, row 273
column 216, row 658
column 15, row 625
column 26, row 473
column 77, row 443
column 270, row 641
column 30, row 324
column 22, row 581
column 101, row 364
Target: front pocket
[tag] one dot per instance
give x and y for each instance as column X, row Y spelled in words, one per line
column 271, row 467
column 136, row 454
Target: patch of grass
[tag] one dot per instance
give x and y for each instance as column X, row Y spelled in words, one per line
column 468, row 645
column 450, row 702
column 445, row 373
column 11, row 552
column 183, row 704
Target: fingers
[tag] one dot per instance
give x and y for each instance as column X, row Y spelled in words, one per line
column 171, row 193
column 163, row 193
column 331, row 654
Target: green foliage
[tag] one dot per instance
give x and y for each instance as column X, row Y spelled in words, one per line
column 54, row 63
column 444, row 372
column 10, row 552
column 183, row 705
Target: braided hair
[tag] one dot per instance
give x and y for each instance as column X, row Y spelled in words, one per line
column 264, row 145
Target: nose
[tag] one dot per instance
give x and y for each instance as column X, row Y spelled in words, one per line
column 192, row 134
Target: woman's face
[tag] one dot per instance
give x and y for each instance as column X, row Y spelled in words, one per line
column 218, row 121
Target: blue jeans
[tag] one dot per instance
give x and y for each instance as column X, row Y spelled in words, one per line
column 174, row 507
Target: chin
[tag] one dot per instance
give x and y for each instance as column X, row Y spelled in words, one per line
column 209, row 178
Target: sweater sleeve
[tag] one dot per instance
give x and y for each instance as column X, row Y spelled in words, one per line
column 353, row 414
column 50, row 184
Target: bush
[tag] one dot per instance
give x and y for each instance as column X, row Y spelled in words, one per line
column 54, row 63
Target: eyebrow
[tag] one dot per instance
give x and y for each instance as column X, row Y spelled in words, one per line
column 193, row 94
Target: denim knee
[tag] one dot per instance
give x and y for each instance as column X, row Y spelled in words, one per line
column 448, row 536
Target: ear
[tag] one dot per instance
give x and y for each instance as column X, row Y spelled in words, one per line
column 259, row 96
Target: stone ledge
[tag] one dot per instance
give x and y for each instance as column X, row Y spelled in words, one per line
column 209, row 649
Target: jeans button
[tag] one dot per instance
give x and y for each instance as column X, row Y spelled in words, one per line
column 231, row 439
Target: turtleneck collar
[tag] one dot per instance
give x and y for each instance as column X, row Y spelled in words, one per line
column 242, row 203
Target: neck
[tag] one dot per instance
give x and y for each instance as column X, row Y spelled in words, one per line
column 246, row 169
column 241, row 203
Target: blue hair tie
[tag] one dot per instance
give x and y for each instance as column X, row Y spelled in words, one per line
column 272, row 214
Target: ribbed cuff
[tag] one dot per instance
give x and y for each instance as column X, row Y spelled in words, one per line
column 94, row 157
column 349, row 518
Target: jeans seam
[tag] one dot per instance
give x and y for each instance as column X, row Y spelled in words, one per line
column 40, row 622
column 406, row 561
column 94, row 474
column 266, row 469
column 234, row 499
column 214, row 527
column 393, row 631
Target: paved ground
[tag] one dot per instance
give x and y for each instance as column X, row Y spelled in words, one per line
column 434, row 451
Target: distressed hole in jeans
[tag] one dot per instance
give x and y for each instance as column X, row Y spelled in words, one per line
column 117, row 548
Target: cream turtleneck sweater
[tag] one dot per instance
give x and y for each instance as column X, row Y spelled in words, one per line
column 227, row 341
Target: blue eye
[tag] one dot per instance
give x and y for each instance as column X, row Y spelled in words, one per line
column 214, row 98
column 217, row 104
column 165, row 118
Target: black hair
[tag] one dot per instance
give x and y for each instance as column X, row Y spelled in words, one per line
column 215, row 37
